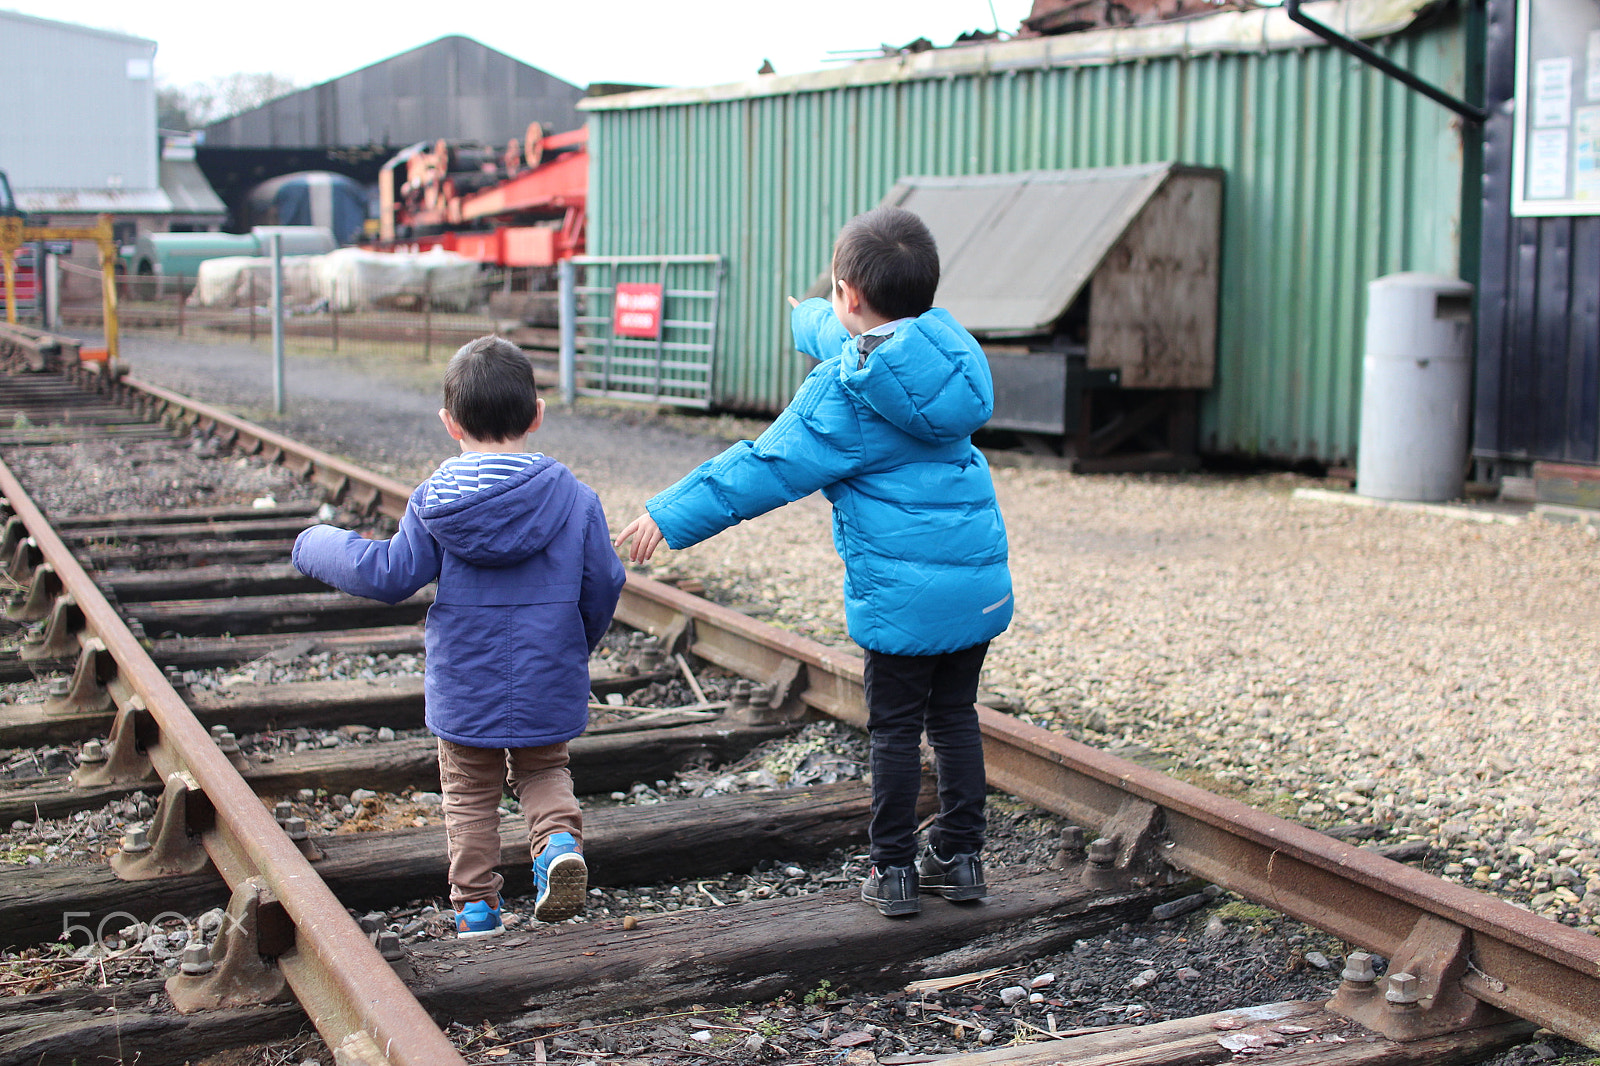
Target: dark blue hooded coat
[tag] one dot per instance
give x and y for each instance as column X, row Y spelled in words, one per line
column 528, row 580
column 888, row 441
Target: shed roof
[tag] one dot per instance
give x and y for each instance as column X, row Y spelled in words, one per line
column 453, row 88
column 1016, row 249
column 188, row 188
column 76, row 27
column 1261, row 29
column 94, row 201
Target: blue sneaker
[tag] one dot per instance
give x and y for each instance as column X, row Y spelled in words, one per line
column 478, row 919
column 560, row 878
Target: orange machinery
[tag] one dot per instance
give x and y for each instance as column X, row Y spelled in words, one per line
column 519, row 206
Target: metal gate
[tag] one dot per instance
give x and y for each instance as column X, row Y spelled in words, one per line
column 640, row 327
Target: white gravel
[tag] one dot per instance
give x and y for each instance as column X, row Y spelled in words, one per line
column 1433, row 677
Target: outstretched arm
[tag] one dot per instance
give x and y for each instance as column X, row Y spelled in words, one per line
column 387, row 570
column 646, row 537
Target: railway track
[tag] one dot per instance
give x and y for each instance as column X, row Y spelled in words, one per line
column 123, row 604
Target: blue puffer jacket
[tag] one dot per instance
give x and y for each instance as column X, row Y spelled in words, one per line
column 528, row 581
column 889, row 444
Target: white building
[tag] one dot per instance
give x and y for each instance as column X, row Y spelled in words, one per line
column 78, row 132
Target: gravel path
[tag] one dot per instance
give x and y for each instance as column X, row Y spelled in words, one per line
column 1432, row 677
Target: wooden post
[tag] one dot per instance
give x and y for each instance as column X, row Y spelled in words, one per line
column 105, row 239
column 251, row 295
column 333, row 315
column 179, row 297
column 11, row 285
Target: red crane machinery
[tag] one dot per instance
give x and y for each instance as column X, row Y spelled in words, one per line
column 521, row 206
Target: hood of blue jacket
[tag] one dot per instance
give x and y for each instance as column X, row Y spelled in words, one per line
column 507, row 521
column 930, row 379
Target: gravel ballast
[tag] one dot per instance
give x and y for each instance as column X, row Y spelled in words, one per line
column 1431, row 678
column 1435, row 678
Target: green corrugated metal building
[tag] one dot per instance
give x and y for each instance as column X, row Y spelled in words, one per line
column 1334, row 176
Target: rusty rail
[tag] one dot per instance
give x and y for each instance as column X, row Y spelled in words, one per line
column 1467, row 948
column 36, row 350
column 358, row 1003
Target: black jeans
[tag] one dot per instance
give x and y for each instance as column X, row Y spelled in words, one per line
column 907, row 694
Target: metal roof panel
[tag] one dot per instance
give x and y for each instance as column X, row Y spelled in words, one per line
column 1016, row 249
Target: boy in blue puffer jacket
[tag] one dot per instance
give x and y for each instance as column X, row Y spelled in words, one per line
column 527, row 583
column 883, row 428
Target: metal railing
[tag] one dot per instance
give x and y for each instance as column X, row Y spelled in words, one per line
column 676, row 366
column 422, row 318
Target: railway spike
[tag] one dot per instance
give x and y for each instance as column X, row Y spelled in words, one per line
column 85, row 692
column 1127, row 851
column 171, row 849
column 253, row 926
column 43, row 588
column 59, row 638
column 20, row 552
column 125, row 762
column 1423, row 995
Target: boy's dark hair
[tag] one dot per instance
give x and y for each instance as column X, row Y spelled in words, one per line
column 889, row 255
column 489, row 389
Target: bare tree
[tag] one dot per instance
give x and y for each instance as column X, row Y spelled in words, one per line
column 201, row 103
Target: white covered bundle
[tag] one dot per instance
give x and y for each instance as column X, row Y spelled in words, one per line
column 353, row 279
column 239, row 280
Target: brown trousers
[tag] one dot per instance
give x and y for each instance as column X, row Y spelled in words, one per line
column 472, row 780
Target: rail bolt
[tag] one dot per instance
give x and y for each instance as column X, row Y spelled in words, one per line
column 60, row 686
column 389, row 946
column 218, row 730
column 195, row 960
column 1404, row 990
column 91, row 752
column 283, row 811
column 228, row 743
column 1358, row 968
column 135, row 840
column 1071, row 846
column 296, row 828
column 1102, row 851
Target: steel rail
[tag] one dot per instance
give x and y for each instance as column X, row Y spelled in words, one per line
column 344, row 480
column 1533, row 967
column 339, row 977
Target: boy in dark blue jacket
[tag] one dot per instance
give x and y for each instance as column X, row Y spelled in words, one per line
column 883, row 428
column 528, row 581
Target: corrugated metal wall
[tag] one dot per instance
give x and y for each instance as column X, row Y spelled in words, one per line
column 1335, row 176
column 1538, row 375
column 80, row 107
column 454, row 88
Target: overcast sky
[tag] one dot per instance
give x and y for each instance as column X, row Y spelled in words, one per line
column 697, row 42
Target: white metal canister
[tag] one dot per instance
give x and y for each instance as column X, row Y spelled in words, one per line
column 1416, row 388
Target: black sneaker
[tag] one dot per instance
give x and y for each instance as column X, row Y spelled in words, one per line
column 957, row 878
column 893, row 890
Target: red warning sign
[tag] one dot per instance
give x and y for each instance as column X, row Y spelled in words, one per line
column 638, row 310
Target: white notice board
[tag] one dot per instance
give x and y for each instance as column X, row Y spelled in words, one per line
column 1556, row 161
